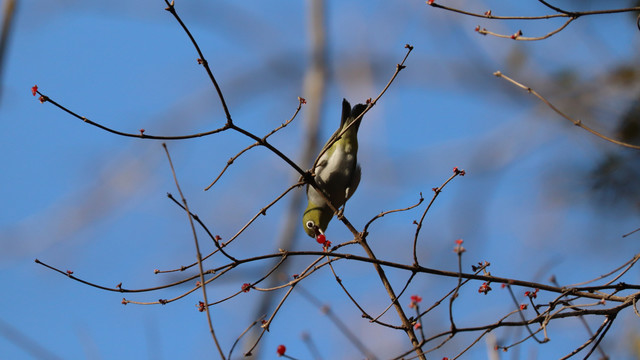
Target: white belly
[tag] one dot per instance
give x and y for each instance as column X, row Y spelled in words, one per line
column 338, row 174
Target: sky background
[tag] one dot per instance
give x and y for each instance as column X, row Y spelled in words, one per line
column 82, row 199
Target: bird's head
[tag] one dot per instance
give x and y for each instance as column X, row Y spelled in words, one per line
column 315, row 220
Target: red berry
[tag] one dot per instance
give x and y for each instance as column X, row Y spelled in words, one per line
column 321, row 239
column 34, row 90
column 281, row 350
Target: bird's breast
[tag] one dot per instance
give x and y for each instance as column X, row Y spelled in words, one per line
column 335, row 172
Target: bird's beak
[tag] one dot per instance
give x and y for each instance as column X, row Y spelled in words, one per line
column 317, row 230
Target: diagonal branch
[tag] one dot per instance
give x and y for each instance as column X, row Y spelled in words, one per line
column 575, row 122
column 198, row 254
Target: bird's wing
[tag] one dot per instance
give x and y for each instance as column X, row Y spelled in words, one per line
column 346, row 112
column 355, row 180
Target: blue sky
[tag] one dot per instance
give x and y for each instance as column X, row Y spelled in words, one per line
column 82, row 199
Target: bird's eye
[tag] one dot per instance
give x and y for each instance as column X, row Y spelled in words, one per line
column 310, row 224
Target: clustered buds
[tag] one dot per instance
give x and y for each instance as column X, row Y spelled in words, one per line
column 459, row 249
column 281, row 350
column 516, row 35
column 523, row 306
column 34, row 92
column 484, row 288
column 246, row 287
column 497, row 347
column 459, row 171
column 415, row 299
column 200, row 306
column 481, row 265
column 302, row 100
column 532, row 294
column 482, row 31
column 430, row 2
column 69, row 272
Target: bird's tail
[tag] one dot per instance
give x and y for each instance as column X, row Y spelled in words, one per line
column 349, row 114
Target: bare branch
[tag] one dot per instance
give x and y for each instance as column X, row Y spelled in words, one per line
column 575, row 122
column 198, row 254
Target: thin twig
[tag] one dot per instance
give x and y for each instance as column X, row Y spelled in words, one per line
column 524, row 320
column 437, row 192
column 571, row 15
column 198, row 254
column 201, row 60
column 575, row 122
column 234, row 158
column 326, row 310
column 606, row 323
column 253, row 284
column 406, row 285
column 384, row 213
column 140, row 135
column 518, row 35
column 266, row 324
column 243, row 333
column 638, row 229
column 584, row 323
column 205, row 228
column 355, row 302
column 454, row 296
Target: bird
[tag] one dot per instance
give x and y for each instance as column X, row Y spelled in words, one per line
column 336, row 171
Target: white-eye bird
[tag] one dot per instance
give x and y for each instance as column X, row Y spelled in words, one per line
column 337, row 172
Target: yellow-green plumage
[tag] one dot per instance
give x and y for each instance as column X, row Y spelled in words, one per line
column 337, row 172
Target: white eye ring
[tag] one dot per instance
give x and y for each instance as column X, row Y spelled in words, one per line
column 310, row 224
